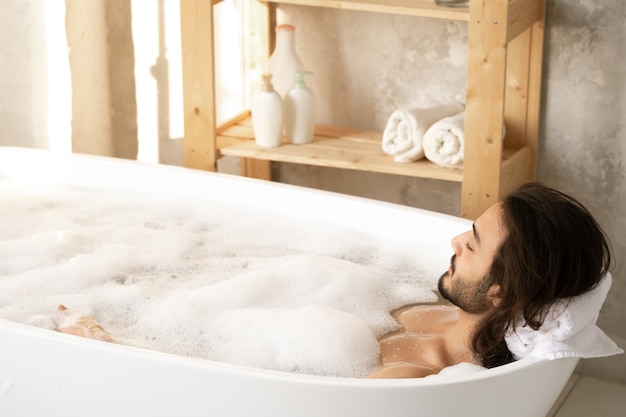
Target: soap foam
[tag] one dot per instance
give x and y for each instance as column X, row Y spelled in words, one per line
column 205, row 279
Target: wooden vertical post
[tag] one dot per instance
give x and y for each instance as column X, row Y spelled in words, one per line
column 487, row 46
column 196, row 21
column 534, row 83
column 523, row 94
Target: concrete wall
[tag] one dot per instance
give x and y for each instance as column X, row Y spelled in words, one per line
column 366, row 66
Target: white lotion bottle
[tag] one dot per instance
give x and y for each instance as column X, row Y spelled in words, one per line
column 267, row 115
column 300, row 111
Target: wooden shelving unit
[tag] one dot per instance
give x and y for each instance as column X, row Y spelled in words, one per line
column 505, row 48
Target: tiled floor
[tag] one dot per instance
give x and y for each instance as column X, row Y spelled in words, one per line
column 592, row 397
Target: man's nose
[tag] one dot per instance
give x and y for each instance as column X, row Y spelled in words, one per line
column 456, row 244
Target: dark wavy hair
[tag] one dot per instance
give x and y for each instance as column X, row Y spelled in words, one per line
column 554, row 249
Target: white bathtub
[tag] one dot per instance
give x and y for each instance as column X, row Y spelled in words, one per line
column 44, row 373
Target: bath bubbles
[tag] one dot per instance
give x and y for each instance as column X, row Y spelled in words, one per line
column 205, row 279
column 305, row 339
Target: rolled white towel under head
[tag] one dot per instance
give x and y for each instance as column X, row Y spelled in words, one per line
column 569, row 330
column 404, row 131
column 444, row 141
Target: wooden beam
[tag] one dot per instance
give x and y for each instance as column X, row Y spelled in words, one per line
column 522, row 15
column 517, row 170
column 523, row 95
column 196, row 19
column 487, row 54
column 535, row 75
column 516, row 98
column 256, row 168
column 424, row 8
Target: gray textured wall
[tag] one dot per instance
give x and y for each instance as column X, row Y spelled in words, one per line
column 368, row 65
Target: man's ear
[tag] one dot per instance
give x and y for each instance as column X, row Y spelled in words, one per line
column 494, row 295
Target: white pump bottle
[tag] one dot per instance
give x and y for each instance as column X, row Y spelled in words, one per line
column 300, row 111
column 267, row 115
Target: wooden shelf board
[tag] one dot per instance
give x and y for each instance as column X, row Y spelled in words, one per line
column 424, row 8
column 332, row 147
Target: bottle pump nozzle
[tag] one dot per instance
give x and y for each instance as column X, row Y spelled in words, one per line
column 299, row 83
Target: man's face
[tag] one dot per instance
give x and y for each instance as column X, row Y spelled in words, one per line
column 466, row 284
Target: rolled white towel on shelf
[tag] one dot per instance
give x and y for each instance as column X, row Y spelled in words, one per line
column 569, row 330
column 444, row 141
column 404, row 131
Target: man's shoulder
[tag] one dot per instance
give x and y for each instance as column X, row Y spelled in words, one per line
column 427, row 319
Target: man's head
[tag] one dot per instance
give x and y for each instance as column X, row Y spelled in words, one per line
column 467, row 283
column 548, row 246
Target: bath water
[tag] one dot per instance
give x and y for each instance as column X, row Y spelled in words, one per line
column 205, row 279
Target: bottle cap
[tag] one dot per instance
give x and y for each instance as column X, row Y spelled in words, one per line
column 267, row 82
column 285, row 28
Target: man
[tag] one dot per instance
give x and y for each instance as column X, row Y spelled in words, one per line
column 537, row 246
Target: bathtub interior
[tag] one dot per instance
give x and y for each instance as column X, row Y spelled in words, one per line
column 43, row 372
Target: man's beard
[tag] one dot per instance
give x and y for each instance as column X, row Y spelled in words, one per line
column 440, row 285
column 470, row 297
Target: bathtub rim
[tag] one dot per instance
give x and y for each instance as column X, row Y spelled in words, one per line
column 60, row 168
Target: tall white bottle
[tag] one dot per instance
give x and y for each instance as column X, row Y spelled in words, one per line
column 267, row 115
column 284, row 61
column 300, row 112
